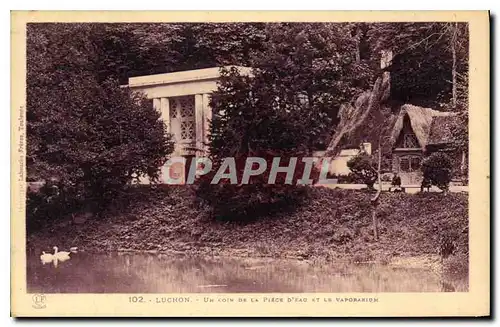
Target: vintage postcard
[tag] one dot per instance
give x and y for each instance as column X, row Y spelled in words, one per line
column 232, row 164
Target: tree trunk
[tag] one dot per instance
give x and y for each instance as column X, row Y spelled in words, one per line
column 375, row 223
column 454, row 66
column 463, row 163
column 375, row 199
column 358, row 45
column 379, row 168
column 379, row 179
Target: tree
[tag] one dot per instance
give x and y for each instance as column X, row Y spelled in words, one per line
column 220, row 44
column 126, row 50
column 90, row 137
column 425, row 57
column 314, row 66
column 430, row 61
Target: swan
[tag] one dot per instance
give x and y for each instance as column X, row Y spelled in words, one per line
column 46, row 257
column 61, row 256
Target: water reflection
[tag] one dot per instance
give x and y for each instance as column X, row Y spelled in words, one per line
column 143, row 273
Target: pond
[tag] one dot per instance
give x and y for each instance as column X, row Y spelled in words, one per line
column 147, row 273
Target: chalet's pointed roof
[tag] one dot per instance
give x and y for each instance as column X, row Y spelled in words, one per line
column 422, row 121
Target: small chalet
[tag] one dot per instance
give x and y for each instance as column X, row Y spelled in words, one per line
column 417, row 133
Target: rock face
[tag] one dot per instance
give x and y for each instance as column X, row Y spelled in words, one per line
column 352, row 116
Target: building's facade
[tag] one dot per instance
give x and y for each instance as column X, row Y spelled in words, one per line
column 182, row 98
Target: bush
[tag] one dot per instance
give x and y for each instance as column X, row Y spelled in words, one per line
column 247, row 122
column 250, row 201
column 436, row 170
column 257, row 198
column 362, row 166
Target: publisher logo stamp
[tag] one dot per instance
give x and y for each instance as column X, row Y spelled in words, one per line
column 39, row 301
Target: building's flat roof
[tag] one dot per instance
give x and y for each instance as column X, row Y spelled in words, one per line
column 342, row 153
column 183, row 76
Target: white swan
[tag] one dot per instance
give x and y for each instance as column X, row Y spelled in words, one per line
column 61, row 256
column 46, row 257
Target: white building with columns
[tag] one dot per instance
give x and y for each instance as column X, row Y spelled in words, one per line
column 183, row 99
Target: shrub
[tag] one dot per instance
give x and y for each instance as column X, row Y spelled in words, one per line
column 343, row 236
column 436, row 170
column 248, row 202
column 247, row 122
column 362, row 166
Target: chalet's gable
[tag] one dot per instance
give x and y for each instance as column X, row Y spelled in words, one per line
column 418, row 121
column 407, row 137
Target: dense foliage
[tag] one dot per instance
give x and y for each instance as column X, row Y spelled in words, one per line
column 285, row 109
column 430, row 59
column 327, row 63
column 88, row 137
column 437, row 170
column 313, row 68
column 248, row 122
column 304, row 74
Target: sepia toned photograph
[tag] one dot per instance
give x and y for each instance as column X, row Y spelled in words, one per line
column 166, row 160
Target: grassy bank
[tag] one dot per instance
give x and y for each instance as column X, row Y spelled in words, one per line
column 335, row 224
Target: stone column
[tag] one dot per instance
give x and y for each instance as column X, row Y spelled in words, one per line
column 157, row 107
column 198, row 116
column 207, row 117
column 156, row 104
column 165, row 112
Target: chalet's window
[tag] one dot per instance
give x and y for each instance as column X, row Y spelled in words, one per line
column 404, row 164
column 410, row 140
column 407, row 138
column 409, row 164
column 415, row 163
